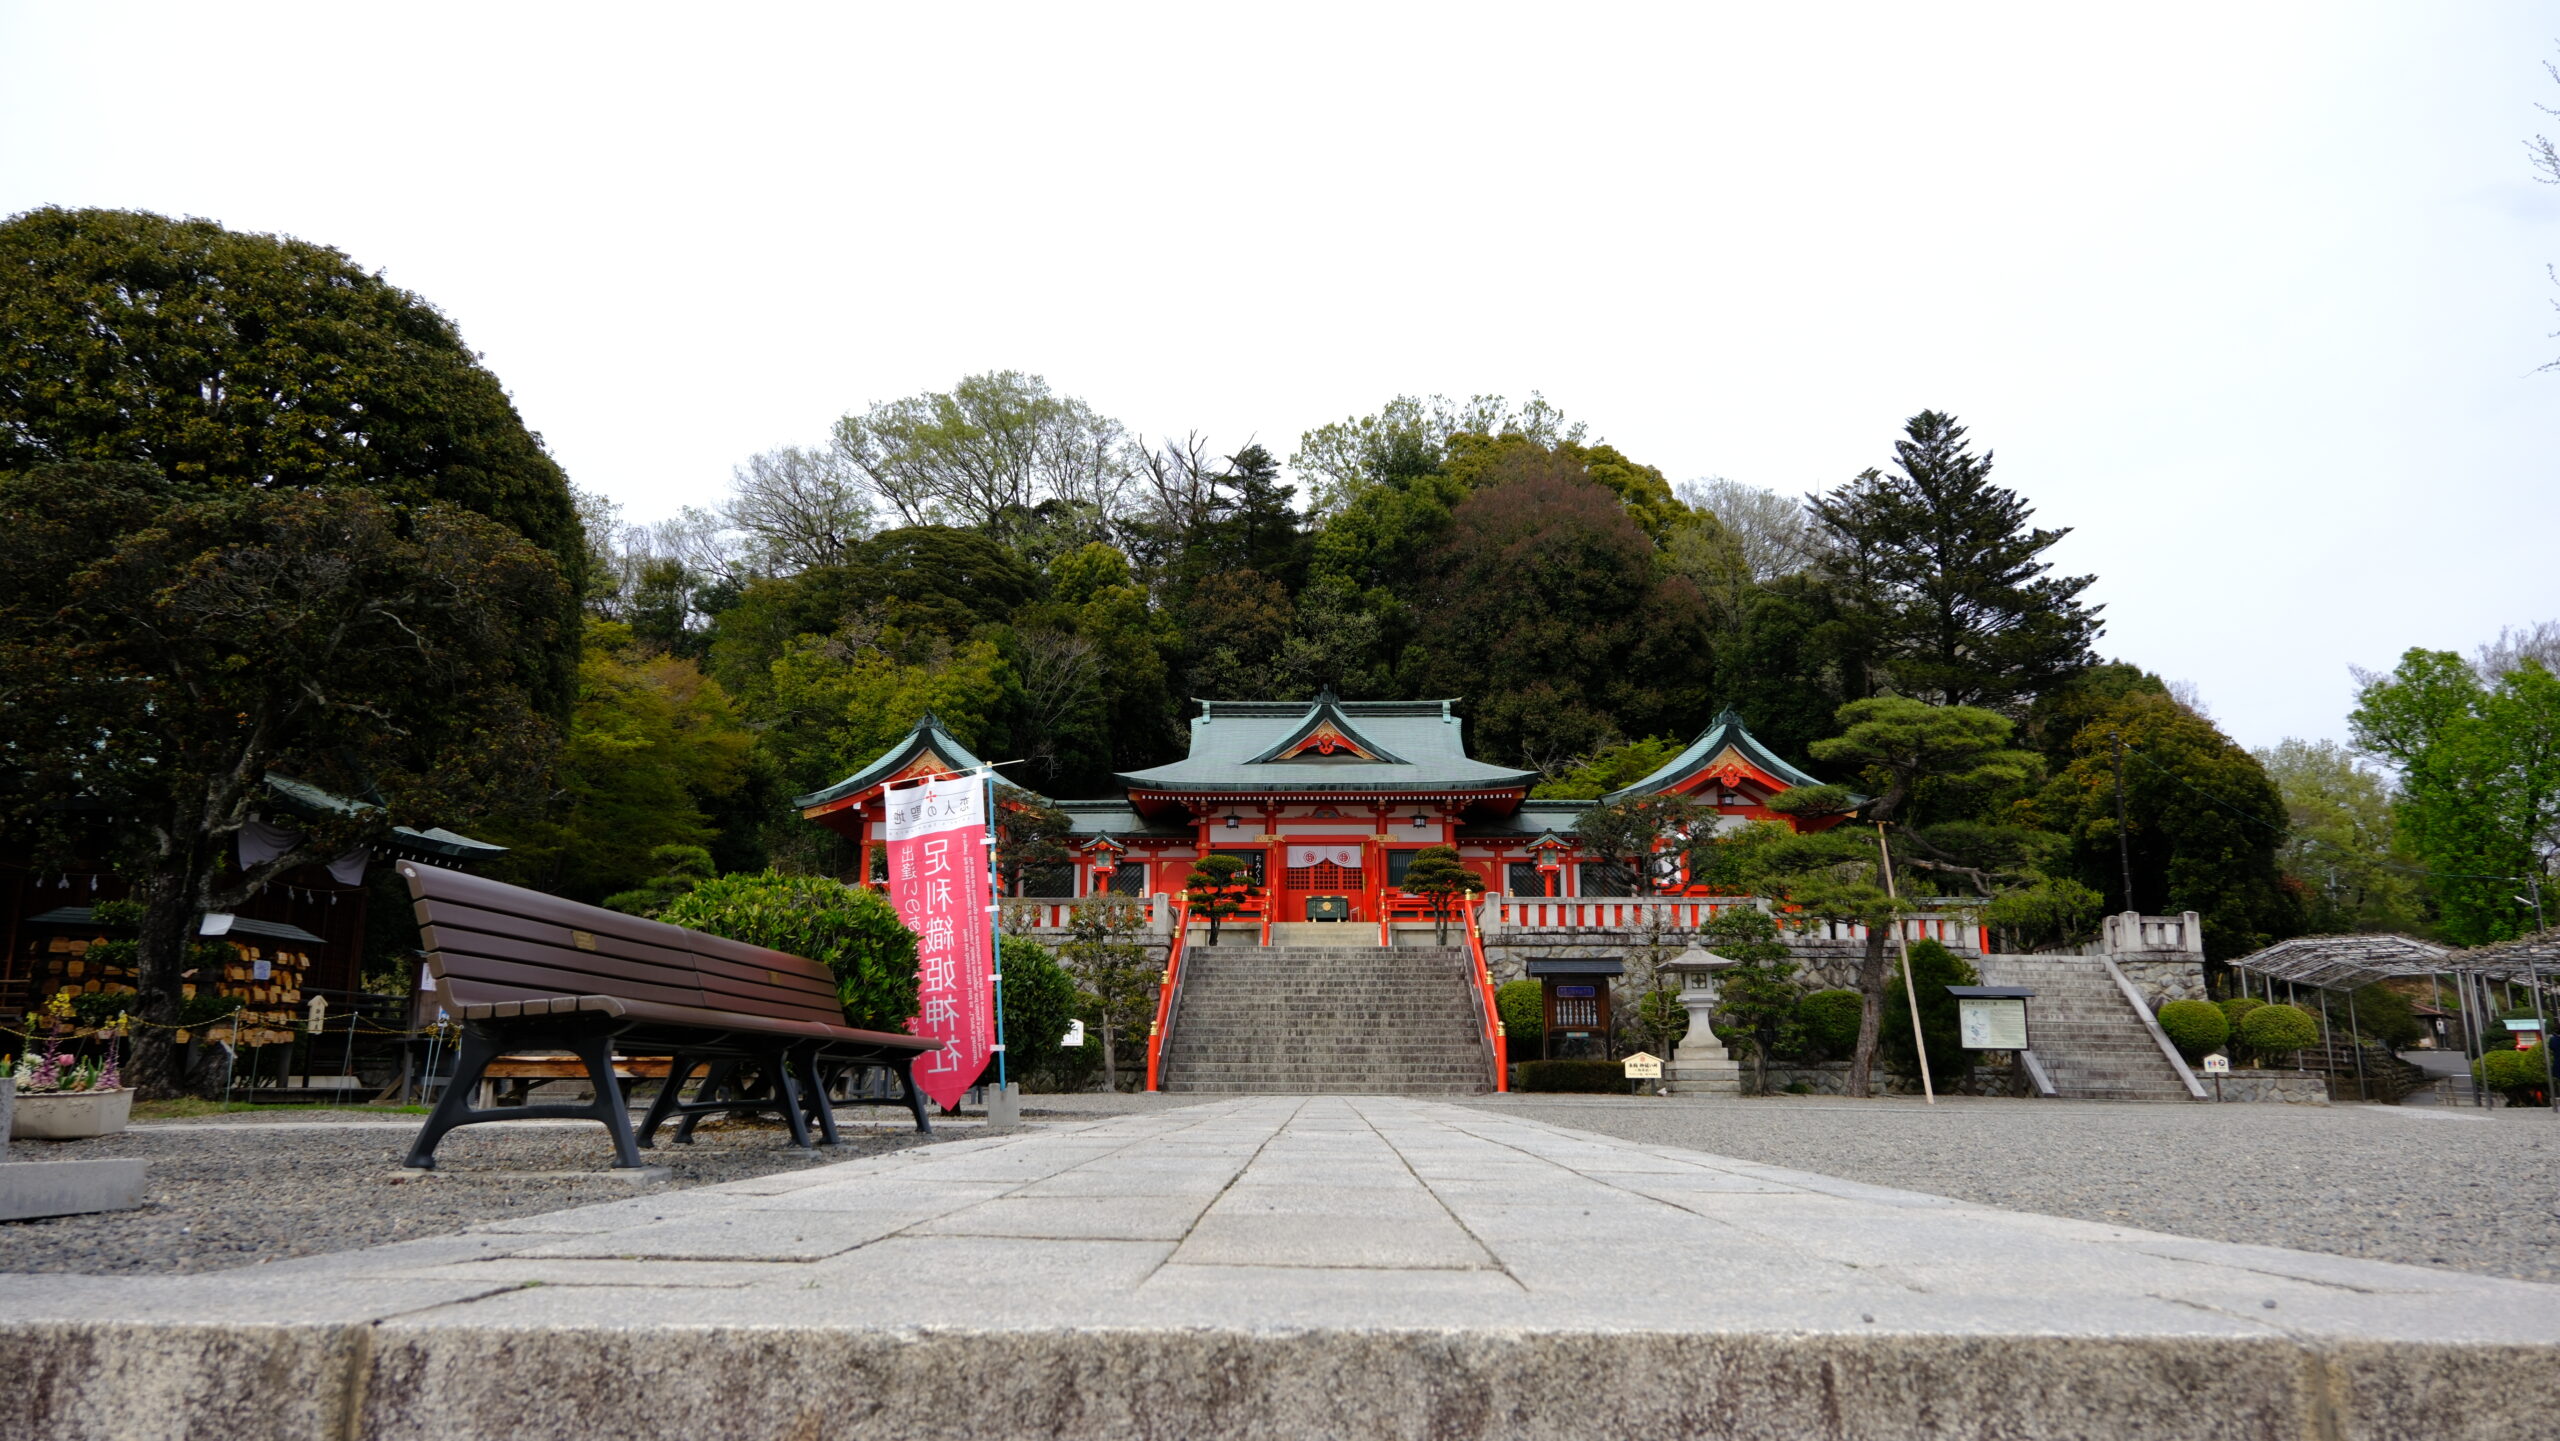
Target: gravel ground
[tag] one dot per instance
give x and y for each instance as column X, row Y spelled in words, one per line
column 236, row 1190
column 2476, row 1191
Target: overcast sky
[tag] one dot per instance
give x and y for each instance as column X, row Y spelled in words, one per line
column 2252, row 296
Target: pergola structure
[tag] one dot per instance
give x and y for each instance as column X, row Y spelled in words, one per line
column 2346, row 962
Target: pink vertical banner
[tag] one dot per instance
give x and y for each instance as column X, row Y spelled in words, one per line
column 938, row 881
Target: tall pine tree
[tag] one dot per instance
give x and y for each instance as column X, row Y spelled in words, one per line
column 1945, row 571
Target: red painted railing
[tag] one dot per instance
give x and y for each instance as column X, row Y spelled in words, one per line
column 1164, row 997
column 1495, row 1038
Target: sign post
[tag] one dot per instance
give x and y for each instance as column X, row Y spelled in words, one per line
column 1643, row 1066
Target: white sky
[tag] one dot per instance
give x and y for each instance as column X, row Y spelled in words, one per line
column 2251, row 295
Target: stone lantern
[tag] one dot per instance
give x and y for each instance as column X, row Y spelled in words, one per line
column 1701, row 1066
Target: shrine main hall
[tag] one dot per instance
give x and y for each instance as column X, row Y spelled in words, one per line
column 1326, row 802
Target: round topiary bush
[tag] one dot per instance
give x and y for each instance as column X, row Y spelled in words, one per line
column 1830, row 1021
column 2277, row 1031
column 2194, row 1027
column 2237, row 1009
column 1523, row 1006
column 854, row 933
column 2519, row 1074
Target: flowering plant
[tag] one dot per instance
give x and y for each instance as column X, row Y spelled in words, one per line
column 49, row 1065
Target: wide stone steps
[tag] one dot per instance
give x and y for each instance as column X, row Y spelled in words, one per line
column 2086, row 1032
column 1361, row 1020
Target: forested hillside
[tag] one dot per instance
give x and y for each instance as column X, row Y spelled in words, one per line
column 1059, row 591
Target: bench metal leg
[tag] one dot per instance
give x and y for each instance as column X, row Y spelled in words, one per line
column 597, row 1052
column 786, row 1093
column 679, row 1068
column 915, row 1094
column 814, row 1086
column 453, row 1108
column 714, row 1081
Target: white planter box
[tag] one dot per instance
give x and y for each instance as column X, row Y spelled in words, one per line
column 70, row 1115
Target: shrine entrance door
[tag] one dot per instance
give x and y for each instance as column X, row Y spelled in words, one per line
column 1321, row 868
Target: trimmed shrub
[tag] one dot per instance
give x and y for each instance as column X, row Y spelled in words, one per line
column 854, row 933
column 2517, row 1073
column 1523, row 1006
column 2277, row 1031
column 1591, row 1076
column 1039, row 999
column 1830, row 1021
column 2236, row 1010
column 1933, row 969
column 2194, row 1027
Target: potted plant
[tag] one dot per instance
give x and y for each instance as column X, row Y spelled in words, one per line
column 62, row 1095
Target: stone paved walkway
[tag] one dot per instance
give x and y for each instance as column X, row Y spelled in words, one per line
column 1285, row 1267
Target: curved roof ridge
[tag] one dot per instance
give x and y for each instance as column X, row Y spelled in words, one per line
column 1325, row 711
column 1726, row 731
column 928, row 734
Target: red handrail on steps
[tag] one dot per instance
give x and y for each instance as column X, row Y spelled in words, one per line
column 1164, row 996
column 1494, row 1034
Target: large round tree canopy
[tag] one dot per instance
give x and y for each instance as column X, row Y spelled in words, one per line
column 220, row 357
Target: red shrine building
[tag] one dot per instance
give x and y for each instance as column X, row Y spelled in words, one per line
column 1326, row 802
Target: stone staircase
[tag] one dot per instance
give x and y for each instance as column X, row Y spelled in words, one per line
column 1360, row 1020
column 2085, row 1030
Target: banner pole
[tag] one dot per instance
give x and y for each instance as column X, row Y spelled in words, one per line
column 995, row 930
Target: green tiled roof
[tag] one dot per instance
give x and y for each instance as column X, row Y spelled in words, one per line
column 1237, row 746
column 1725, row 730
column 434, row 841
column 928, row 735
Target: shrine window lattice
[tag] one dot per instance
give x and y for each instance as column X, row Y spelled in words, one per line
column 1325, row 879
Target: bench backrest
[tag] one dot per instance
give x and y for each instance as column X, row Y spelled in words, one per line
column 489, row 941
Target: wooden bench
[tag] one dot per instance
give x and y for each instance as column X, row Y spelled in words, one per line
column 524, row 971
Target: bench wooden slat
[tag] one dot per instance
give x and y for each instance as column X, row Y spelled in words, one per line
column 500, row 977
column 662, row 950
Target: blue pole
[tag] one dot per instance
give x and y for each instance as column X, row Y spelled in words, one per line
column 995, row 931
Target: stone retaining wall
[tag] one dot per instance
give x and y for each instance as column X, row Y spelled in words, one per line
column 2291, row 1088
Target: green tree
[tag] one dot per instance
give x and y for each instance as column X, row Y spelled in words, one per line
column 1830, row 875
column 1219, row 887
column 835, row 703
column 652, row 743
column 2343, row 855
column 1905, row 748
column 1106, row 953
column 2387, row 1016
column 1638, row 839
column 1031, row 835
column 1612, row 768
column 1759, row 998
column 2203, row 823
column 989, row 453
column 227, row 359
column 679, row 870
column 1947, row 568
column 2479, row 763
column 1039, row 1002
column 1932, row 968
column 1438, row 876
column 851, row 930
column 168, row 652
column 1545, row 601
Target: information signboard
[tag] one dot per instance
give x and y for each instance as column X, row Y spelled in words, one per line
column 1643, row 1067
column 1992, row 1024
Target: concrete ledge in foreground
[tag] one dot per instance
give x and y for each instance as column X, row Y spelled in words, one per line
column 1285, row 1268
